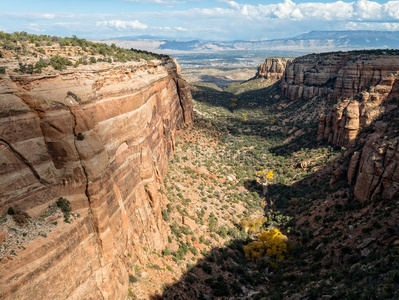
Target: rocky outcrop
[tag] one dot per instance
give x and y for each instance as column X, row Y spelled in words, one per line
column 337, row 76
column 341, row 126
column 374, row 170
column 99, row 136
column 273, row 68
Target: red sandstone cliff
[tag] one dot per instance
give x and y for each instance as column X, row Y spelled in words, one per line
column 99, row 136
column 272, row 68
column 373, row 170
column 341, row 126
column 364, row 87
column 336, row 75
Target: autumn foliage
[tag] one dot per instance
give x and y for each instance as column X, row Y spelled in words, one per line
column 271, row 244
column 252, row 226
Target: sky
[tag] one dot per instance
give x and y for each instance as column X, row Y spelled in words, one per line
column 219, row 20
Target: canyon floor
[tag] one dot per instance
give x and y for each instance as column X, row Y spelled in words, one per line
column 215, row 206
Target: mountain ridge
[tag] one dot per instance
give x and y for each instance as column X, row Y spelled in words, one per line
column 313, row 41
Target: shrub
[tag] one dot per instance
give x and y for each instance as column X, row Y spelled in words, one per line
column 80, row 136
column 10, row 211
column 60, row 63
column 206, row 268
column 65, row 207
column 166, row 251
column 2, row 70
column 132, row 279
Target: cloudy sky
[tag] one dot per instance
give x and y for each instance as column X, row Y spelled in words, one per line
column 200, row 19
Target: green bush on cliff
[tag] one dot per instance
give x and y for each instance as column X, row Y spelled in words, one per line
column 59, row 62
column 65, row 207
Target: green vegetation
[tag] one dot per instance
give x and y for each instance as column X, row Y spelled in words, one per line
column 301, row 229
column 61, row 53
column 65, row 207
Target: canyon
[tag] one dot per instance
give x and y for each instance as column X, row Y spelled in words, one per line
column 363, row 87
column 111, row 190
column 99, row 136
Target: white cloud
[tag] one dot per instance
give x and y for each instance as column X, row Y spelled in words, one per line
column 122, row 25
column 372, row 26
column 223, row 19
column 362, row 10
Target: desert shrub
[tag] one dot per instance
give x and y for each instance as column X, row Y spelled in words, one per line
column 206, row 268
column 132, row 278
column 65, row 207
column 213, row 221
column 80, row 136
column 59, row 62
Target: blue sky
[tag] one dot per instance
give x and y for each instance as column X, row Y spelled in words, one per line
column 201, row 19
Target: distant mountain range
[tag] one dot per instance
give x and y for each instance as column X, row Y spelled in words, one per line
column 314, row 41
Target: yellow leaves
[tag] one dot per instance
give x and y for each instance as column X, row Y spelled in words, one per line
column 252, row 226
column 271, row 244
column 266, row 175
column 234, row 99
column 270, row 175
column 244, row 117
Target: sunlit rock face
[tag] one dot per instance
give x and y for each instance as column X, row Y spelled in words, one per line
column 363, row 87
column 99, row 136
column 336, row 75
column 273, row 68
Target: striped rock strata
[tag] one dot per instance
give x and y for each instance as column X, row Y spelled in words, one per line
column 99, row 136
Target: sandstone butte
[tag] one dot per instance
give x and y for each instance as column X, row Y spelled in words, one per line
column 126, row 116
column 363, row 88
column 273, row 68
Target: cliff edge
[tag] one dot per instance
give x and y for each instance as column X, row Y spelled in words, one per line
column 98, row 136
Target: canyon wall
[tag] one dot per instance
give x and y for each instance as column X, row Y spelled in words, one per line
column 273, row 68
column 364, row 89
column 335, row 75
column 341, row 126
column 99, row 136
column 373, row 170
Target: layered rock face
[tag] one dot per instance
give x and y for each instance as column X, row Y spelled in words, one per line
column 374, row 170
column 273, row 68
column 337, row 75
column 99, row 136
column 341, row 126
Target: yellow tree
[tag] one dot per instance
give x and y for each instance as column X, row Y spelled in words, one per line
column 271, row 244
column 267, row 178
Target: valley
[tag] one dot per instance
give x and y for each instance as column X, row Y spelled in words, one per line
column 338, row 247
column 121, row 179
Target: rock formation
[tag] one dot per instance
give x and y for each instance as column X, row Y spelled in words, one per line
column 341, row 126
column 337, row 76
column 99, row 136
column 364, row 87
column 374, row 170
column 272, row 68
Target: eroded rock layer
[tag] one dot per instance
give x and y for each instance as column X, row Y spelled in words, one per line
column 99, row 136
column 273, row 68
column 336, row 75
column 341, row 126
